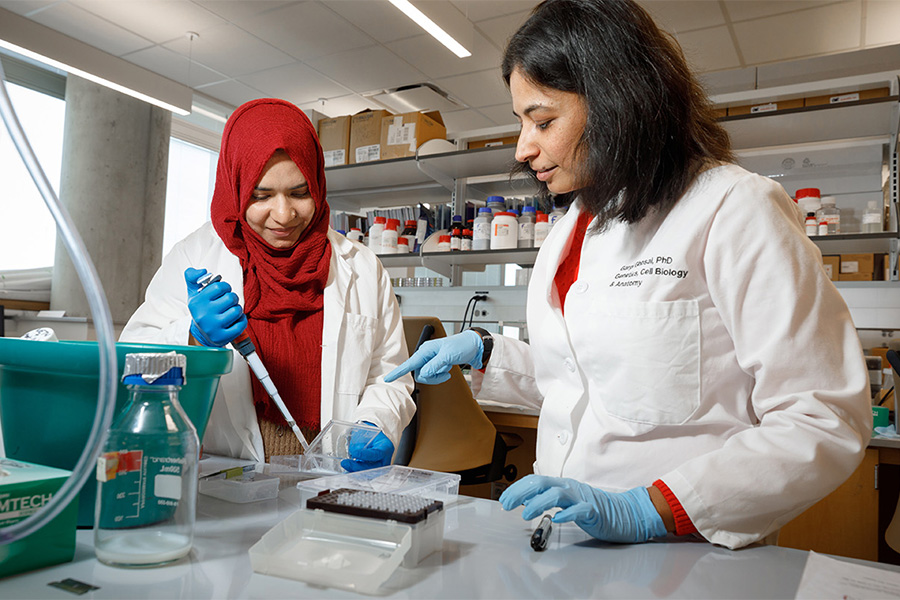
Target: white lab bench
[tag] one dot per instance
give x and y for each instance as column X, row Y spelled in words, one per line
column 486, row 554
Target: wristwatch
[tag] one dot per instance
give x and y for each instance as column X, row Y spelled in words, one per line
column 487, row 341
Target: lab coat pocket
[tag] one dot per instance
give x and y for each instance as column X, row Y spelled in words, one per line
column 355, row 353
column 648, row 371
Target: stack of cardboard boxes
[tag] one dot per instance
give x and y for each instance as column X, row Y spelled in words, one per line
column 780, row 105
column 857, row 267
column 377, row 135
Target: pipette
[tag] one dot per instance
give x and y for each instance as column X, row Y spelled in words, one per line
column 244, row 345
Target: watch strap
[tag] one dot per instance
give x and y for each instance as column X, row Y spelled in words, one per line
column 487, row 341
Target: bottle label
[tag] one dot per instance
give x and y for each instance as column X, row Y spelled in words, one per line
column 871, row 218
column 526, row 231
column 482, row 231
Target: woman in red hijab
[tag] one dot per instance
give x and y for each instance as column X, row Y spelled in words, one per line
column 318, row 307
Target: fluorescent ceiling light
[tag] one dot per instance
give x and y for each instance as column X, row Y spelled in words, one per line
column 50, row 47
column 431, row 27
column 208, row 113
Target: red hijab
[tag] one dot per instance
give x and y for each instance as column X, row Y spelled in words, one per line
column 283, row 289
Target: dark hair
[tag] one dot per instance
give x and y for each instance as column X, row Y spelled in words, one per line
column 650, row 127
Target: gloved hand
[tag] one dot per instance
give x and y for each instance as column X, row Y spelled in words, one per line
column 626, row 517
column 368, row 452
column 432, row 361
column 217, row 316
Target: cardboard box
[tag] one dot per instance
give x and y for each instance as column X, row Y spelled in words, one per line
column 857, row 267
column 499, row 141
column 365, row 135
column 752, row 109
column 848, row 97
column 24, row 489
column 720, row 112
column 402, row 134
column 832, row 266
column 334, row 135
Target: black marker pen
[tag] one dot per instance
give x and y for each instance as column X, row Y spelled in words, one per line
column 541, row 536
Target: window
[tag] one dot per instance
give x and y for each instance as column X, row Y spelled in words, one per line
column 27, row 229
column 189, row 188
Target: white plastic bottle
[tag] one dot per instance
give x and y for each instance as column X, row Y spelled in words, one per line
column 555, row 215
column 872, row 218
column 812, row 228
column 497, row 204
column 504, row 231
column 481, row 234
column 402, row 245
column 809, row 200
column 355, row 234
column 444, row 243
column 541, row 229
column 526, row 227
column 375, row 232
column 831, row 214
column 389, row 238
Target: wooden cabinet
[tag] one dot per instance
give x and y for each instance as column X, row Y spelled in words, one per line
column 844, row 523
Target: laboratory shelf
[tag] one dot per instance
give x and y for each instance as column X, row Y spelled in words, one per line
column 410, row 180
column 442, row 262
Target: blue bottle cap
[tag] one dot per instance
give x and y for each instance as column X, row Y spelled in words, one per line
column 526, row 209
column 485, row 209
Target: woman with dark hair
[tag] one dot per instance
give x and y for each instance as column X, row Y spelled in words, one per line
column 318, row 307
column 695, row 369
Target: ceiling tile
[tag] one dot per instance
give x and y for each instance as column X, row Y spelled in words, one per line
column 345, row 105
column 307, row 30
column 676, row 17
column 484, row 88
column 90, row 29
column 231, row 92
column 501, row 114
column 709, row 49
column 882, row 19
column 742, row 10
column 480, row 10
column 235, row 11
column 464, row 120
column 174, row 66
column 158, row 21
column 230, row 50
column 379, row 19
column 429, row 56
column 499, row 30
column 297, row 83
column 367, row 69
column 771, row 39
column 24, row 7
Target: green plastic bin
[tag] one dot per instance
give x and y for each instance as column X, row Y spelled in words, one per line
column 48, row 397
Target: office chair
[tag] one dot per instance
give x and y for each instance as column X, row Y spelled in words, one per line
column 450, row 432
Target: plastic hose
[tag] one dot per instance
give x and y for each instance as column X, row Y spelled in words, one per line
column 106, row 396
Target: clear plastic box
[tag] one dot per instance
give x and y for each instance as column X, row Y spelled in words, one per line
column 331, row 446
column 249, row 487
column 356, row 553
column 395, row 479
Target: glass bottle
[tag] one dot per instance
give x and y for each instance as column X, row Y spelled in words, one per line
column 526, row 227
column 409, row 232
column 147, row 473
column 831, row 214
column 871, row 219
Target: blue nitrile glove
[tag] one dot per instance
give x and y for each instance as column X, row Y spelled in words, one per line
column 217, row 316
column 626, row 517
column 432, row 361
column 367, row 452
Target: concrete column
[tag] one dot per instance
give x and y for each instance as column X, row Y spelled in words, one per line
column 113, row 183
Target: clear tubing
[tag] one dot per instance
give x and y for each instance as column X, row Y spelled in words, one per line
column 106, row 395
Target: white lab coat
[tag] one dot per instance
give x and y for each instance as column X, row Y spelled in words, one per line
column 362, row 340
column 706, row 348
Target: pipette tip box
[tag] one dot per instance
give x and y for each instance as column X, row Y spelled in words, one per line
column 248, row 487
column 395, row 479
